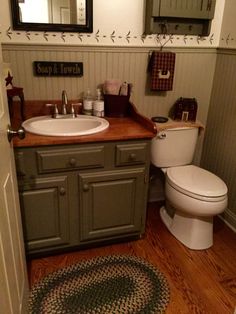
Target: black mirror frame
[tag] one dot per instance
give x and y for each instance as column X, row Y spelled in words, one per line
column 43, row 27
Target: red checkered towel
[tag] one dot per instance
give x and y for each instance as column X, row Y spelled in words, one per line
column 162, row 66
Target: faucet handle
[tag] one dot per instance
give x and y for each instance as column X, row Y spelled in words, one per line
column 73, row 108
column 55, row 111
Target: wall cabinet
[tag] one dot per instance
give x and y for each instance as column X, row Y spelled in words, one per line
column 187, row 17
column 200, row 9
column 76, row 195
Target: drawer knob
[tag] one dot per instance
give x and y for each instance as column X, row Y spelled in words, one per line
column 85, row 187
column 62, row 191
column 132, row 157
column 72, row 161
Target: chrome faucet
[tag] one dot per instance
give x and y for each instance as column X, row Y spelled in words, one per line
column 64, row 102
column 64, row 112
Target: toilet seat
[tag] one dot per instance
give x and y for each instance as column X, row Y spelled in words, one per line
column 197, row 183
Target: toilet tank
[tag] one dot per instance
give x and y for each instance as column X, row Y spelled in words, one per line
column 174, row 147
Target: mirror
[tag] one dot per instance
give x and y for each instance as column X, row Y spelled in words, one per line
column 53, row 15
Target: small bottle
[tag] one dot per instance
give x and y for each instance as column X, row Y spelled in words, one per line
column 88, row 103
column 124, row 89
column 98, row 105
column 98, row 94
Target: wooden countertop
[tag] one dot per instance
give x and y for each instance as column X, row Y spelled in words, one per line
column 135, row 126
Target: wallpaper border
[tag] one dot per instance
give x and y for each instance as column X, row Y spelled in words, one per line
column 113, row 38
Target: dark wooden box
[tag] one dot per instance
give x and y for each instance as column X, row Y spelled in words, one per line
column 185, row 109
column 116, row 105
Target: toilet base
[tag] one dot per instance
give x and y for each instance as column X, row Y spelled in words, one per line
column 194, row 232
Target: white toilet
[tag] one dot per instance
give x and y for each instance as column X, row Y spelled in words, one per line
column 193, row 195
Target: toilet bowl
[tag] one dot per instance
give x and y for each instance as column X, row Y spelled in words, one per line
column 195, row 196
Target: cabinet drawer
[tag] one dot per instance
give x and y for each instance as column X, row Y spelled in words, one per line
column 128, row 154
column 70, row 159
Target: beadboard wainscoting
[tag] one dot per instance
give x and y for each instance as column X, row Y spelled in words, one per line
column 219, row 148
column 194, row 73
column 194, row 76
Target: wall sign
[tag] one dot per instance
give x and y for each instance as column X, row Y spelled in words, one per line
column 48, row 68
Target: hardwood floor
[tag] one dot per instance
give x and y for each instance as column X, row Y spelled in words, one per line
column 200, row 281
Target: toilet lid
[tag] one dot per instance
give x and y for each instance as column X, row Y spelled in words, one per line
column 197, row 181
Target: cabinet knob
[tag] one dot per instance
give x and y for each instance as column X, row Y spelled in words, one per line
column 132, row 157
column 85, row 187
column 72, row 161
column 62, row 191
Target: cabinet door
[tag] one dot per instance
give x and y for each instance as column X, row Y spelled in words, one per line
column 200, row 9
column 44, row 206
column 111, row 203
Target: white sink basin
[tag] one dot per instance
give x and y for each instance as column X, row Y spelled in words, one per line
column 65, row 126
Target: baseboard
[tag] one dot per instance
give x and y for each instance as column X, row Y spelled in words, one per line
column 229, row 219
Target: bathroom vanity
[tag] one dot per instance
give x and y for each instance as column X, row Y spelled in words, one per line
column 79, row 191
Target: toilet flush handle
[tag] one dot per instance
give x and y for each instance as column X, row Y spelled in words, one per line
column 161, row 136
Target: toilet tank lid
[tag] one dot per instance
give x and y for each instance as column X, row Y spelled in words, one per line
column 196, row 180
column 172, row 124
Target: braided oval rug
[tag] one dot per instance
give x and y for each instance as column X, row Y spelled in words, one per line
column 111, row 284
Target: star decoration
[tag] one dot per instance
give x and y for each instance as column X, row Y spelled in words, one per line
column 9, row 79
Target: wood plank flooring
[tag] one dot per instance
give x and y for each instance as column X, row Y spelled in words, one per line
column 200, row 281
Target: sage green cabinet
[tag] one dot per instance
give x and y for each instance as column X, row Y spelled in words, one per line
column 45, row 212
column 186, row 17
column 81, row 194
column 199, row 9
column 111, row 203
